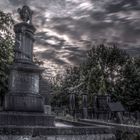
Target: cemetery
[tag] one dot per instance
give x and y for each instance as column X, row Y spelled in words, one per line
column 27, row 113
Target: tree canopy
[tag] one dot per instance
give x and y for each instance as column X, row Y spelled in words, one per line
column 106, row 70
column 6, row 49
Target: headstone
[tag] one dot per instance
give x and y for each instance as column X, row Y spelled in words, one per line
column 72, row 104
column 101, row 109
column 119, row 117
column 84, row 104
column 137, row 115
column 45, row 90
column 117, row 108
column 47, row 109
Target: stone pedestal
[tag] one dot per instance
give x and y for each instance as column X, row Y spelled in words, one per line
column 24, row 89
column 26, row 119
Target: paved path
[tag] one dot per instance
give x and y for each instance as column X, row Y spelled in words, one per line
column 121, row 127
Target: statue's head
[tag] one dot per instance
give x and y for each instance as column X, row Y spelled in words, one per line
column 25, row 13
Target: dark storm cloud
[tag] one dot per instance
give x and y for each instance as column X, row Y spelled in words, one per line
column 70, row 22
column 54, row 53
column 18, row 2
column 123, row 5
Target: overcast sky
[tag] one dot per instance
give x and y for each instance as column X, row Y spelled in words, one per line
column 65, row 28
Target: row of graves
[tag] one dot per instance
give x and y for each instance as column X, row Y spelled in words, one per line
column 103, row 109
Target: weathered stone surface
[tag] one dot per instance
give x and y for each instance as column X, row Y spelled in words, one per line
column 24, row 102
column 23, row 92
column 24, row 42
column 65, row 137
column 45, row 89
column 101, row 109
column 51, row 131
column 24, row 82
column 26, row 119
column 47, row 109
column 24, row 89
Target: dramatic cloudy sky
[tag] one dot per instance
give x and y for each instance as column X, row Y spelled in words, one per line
column 66, row 28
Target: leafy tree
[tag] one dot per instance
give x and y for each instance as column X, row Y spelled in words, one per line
column 102, row 70
column 129, row 88
column 6, row 49
column 64, row 85
column 106, row 70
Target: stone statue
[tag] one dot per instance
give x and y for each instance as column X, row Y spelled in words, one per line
column 26, row 14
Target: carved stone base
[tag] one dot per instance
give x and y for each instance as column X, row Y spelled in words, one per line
column 25, row 119
column 26, row 103
column 23, row 92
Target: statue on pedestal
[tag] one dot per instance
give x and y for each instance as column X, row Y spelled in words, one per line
column 24, row 76
column 25, row 14
column 23, row 104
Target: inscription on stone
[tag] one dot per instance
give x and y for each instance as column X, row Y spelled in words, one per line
column 25, row 82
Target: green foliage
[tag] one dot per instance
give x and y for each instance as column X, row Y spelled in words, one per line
column 106, row 70
column 6, row 49
column 129, row 87
column 6, row 22
column 137, row 137
column 64, row 85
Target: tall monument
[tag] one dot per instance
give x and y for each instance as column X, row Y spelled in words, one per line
column 24, row 77
column 23, row 104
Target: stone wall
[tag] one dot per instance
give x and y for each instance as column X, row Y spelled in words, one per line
column 62, row 137
column 56, row 133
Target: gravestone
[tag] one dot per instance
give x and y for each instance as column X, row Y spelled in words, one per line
column 101, row 109
column 23, row 103
column 84, row 104
column 117, row 110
